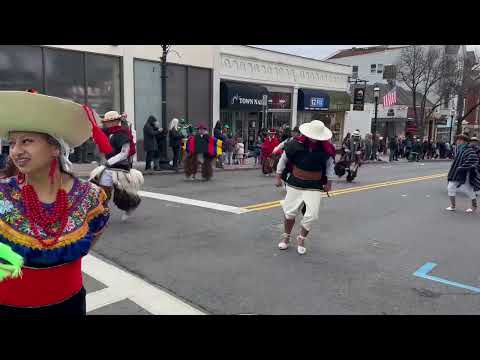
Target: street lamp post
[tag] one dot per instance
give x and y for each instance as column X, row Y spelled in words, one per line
column 163, row 65
column 452, row 113
column 376, row 95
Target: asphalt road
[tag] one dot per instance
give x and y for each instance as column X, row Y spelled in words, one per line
column 361, row 256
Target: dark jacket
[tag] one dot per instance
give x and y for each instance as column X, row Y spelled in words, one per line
column 149, row 134
column 175, row 138
column 466, row 162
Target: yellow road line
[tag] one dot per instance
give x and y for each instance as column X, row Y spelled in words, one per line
column 261, row 205
column 274, row 204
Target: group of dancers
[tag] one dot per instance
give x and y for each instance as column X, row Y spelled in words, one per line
column 50, row 219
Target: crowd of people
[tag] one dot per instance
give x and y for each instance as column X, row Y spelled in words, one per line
column 408, row 147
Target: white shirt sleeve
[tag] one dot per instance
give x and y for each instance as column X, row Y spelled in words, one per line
column 280, row 146
column 122, row 155
column 330, row 167
column 282, row 163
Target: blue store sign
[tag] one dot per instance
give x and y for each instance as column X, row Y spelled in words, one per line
column 312, row 100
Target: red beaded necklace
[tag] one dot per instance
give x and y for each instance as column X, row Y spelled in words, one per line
column 38, row 217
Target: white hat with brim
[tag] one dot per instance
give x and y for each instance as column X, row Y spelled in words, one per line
column 111, row 116
column 316, row 130
column 28, row 112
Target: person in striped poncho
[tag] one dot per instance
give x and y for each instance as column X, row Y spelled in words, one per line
column 464, row 173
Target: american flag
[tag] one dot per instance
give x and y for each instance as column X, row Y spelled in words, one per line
column 390, row 98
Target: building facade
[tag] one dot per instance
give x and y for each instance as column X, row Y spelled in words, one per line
column 243, row 86
column 255, row 88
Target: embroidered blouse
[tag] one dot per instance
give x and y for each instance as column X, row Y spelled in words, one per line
column 87, row 219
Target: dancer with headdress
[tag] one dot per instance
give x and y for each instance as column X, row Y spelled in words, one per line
column 117, row 176
column 50, row 219
column 201, row 149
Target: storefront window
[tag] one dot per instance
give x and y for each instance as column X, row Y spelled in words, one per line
column 103, row 83
column 65, row 74
column 21, row 67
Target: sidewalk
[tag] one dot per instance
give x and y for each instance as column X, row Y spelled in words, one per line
column 83, row 170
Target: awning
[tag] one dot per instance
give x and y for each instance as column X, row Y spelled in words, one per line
column 339, row 100
column 242, row 97
column 312, row 100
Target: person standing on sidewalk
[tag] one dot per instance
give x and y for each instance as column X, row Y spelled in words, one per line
column 393, row 145
column 464, row 173
column 150, row 145
column 229, row 148
column 312, row 158
column 175, row 139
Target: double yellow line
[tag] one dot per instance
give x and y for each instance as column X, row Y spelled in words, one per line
column 274, row 204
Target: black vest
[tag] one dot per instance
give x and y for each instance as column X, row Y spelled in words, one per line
column 117, row 141
column 309, row 160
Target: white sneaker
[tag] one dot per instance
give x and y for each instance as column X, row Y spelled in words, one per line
column 469, row 210
column 283, row 245
column 125, row 216
column 450, row 208
column 301, row 250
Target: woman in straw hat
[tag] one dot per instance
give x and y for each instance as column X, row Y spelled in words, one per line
column 117, row 176
column 311, row 156
column 49, row 218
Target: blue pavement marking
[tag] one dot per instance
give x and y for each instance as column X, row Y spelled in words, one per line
column 425, row 269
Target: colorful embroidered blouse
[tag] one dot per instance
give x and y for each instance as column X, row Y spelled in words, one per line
column 87, row 219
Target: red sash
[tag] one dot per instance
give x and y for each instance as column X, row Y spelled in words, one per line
column 42, row 287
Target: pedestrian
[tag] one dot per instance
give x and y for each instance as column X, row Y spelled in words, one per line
column 51, row 219
column 175, row 140
column 161, row 138
column 230, row 144
column 150, row 145
column 464, row 173
column 217, row 133
column 118, row 177
column 240, row 151
column 312, row 158
column 368, row 147
column 392, row 145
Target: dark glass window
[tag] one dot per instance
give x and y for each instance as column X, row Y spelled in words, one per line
column 65, row 74
column 21, row 67
column 177, row 93
column 199, row 81
column 103, row 83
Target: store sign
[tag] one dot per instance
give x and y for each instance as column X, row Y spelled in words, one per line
column 317, row 103
column 239, row 100
column 358, row 99
column 279, row 100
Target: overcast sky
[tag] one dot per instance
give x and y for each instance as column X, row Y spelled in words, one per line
column 322, row 51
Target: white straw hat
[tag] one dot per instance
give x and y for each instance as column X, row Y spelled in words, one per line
column 111, row 116
column 316, row 130
column 30, row 112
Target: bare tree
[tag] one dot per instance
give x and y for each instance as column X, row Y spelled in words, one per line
column 470, row 84
column 431, row 75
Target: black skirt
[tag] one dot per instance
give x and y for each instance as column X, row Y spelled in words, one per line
column 75, row 305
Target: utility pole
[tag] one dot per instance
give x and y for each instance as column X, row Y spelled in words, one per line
column 165, row 49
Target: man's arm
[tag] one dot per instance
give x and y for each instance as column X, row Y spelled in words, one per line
column 122, row 155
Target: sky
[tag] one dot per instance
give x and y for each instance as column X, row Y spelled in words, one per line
column 322, row 51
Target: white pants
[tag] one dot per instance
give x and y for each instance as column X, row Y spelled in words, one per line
column 106, row 179
column 466, row 188
column 292, row 205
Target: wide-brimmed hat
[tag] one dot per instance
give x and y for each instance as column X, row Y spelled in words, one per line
column 473, row 138
column 30, row 112
column 356, row 133
column 111, row 116
column 316, row 130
